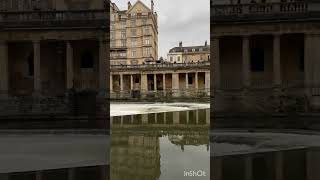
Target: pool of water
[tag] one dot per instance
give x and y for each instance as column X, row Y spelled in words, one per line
column 161, row 146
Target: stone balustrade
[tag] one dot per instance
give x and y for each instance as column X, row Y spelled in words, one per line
column 264, row 11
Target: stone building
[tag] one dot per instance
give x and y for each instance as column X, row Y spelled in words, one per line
column 265, row 56
column 133, row 34
column 160, row 81
column 189, row 54
column 48, row 47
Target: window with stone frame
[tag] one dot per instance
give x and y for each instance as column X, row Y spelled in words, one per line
column 134, row 42
column 133, row 32
column 123, row 43
column 147, row 41
column 4, row 5
column 122, row 24
column 147, row 31
column 147, row 51
column 133, row 22
column 257, row 60
column 133, row 53
column 123, row 34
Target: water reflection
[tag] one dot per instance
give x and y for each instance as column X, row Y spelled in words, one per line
column 74, row 173
column 160, row 146
column 264, row 155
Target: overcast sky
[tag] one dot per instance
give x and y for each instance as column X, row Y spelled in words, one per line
column 179, row 20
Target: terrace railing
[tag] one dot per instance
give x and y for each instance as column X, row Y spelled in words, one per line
column 165, row 65
column 45, row 19
column 264, row 11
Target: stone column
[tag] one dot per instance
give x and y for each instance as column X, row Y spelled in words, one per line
column 121, row 82
column 4, row 69
column 155, row 82
column 175, row 84
column 246, row 61
column 207, row 82
column 144, row 83
column 308, row 60
column 196, row 81
column 103, row 66
column 215, row 68
column 164, row 82
column 187, row 83
column 131, row 82
column 37, row 68
column 276, row 61
column 69, row 66
column 111, row 83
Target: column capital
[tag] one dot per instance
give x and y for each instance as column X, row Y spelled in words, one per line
column 37, row 41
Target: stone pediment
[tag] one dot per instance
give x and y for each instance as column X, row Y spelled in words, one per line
column 139, row 7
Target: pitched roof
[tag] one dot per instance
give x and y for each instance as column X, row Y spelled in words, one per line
column 189, row 49
column 139, row 2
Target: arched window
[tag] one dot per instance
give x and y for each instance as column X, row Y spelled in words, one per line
column 30, row 65
column 87, row 60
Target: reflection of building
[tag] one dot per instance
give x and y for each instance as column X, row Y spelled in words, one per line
column 168, row 120
column 49, row 48
column 134, row 34
column 190, row 54
column 265, row 56
column 163, row 80
column 135, row 144
column 135, row 156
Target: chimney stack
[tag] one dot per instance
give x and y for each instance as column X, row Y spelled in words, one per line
column 152, row 6
column 180, row 44
column 129, row 5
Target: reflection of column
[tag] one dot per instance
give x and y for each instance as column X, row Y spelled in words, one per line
column 72, row 174
column 111, row 83
column 144, row 118
column 121, row 82
column 131, row 81
column 155, row 82
column 121, row 120
column 246, row 61
column 217, row 168
column 279, row 165
column 4, row 176
column 165, row 118
column 276, row 61
column 37, row 67
column 197, row 116
column 38, row 175
column 207, row 116
column 176, row 118
column 103, row 65
column 4, row 69
column 69, row 64
column 248, row 167
column 188, row 116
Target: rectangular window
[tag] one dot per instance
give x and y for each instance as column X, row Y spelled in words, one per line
column 112, row 35
column 257, row 60
column 122, row 24
column 133, row 53
column 133, row 23
column 123, row 34
column 146, row 31
column 112, row 43
column 144, row 21
column 147, row 41
column 123, row 43
column 147, row 52
column 179, row 58
column 133, row 32
column 134, row 43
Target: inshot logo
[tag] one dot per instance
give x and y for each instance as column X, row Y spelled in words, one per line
column 192, row 173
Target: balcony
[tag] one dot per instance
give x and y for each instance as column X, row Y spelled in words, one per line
column 205, row 65
column 290, row 11
column 54, row 19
